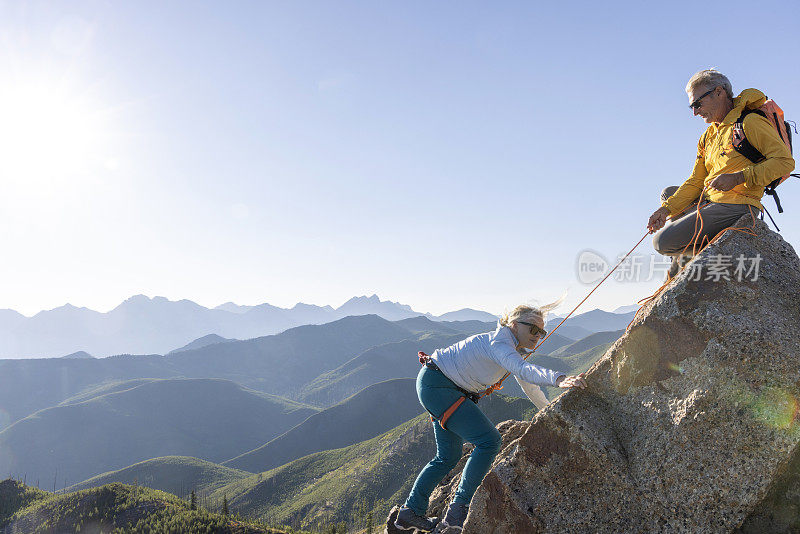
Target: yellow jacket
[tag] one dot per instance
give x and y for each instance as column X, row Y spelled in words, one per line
column 716, row 155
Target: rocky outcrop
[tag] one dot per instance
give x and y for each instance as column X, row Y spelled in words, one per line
column 689, row 422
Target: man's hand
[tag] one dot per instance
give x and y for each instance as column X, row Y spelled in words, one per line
column 658, row 219
column 726, row 182
column 574, row 381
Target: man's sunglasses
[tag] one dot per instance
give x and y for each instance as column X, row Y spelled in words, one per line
column 696, row 103
column 535, row 329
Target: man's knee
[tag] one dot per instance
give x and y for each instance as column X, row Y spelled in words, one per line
column 660, row 241
column 668, row 192
column 669, row 241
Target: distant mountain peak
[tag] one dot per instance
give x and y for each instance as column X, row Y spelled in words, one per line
column 205, row 341
column 304, row 306
column 232, row 307
column 364, row 305
column 466, row 314
column 363, row 299
column 78, row 355
column 68, row 308
column 137, row 298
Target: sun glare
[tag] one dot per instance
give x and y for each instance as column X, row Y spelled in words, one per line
column 48, row 135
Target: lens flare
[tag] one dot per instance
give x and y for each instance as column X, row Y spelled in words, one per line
column 776, row 407
column 675, row 367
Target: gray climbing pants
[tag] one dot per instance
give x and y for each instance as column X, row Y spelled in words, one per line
column 673, row 238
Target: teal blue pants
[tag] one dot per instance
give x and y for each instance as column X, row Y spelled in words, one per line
column 437, row 393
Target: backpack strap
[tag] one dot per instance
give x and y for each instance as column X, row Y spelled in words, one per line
column 770, row 190
column 746, row 149
column 740, row 142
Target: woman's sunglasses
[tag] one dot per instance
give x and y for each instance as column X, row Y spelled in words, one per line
column 535, row 329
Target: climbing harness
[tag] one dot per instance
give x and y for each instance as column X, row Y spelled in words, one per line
column 426, row 360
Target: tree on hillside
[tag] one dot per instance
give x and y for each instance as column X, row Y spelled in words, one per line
column 193, row 501
column 225, row 505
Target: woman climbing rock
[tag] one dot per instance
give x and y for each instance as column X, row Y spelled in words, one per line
column 462, row 371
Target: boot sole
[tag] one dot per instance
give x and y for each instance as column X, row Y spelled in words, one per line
column 412, row 529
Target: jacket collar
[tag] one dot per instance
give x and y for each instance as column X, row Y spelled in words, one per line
column 749, row 99
column 504, row 333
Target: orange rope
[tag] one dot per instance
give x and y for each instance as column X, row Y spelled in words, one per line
column 704, row 243
column 499, row 385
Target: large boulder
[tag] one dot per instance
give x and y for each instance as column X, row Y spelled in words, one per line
column 689, row 422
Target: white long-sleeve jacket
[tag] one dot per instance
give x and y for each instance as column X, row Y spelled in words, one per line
column 481, row 360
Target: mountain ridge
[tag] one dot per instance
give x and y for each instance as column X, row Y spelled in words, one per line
column 144, row 325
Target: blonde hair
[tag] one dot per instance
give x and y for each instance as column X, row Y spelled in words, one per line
column 523, row 312
column 709, row 79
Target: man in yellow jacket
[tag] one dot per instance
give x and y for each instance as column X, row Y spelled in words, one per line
column 733, row 184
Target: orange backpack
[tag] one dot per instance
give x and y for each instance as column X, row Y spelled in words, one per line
column 774, row 114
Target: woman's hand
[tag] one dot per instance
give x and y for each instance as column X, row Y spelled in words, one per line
column 574, row 381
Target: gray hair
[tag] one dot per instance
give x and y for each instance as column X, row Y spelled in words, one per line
column 709, row 79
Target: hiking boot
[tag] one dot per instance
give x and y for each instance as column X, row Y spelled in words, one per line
column 453, row 521
column 673, row 268
column 407, row 519
column 678, row 263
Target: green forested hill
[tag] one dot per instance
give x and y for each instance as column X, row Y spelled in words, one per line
column 15, row 496
column 366, row 414
column 174, row 474
column 329, row 485
column 210, row 419
column 115, row 508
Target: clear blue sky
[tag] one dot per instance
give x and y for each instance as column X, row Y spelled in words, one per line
column 440, row 154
